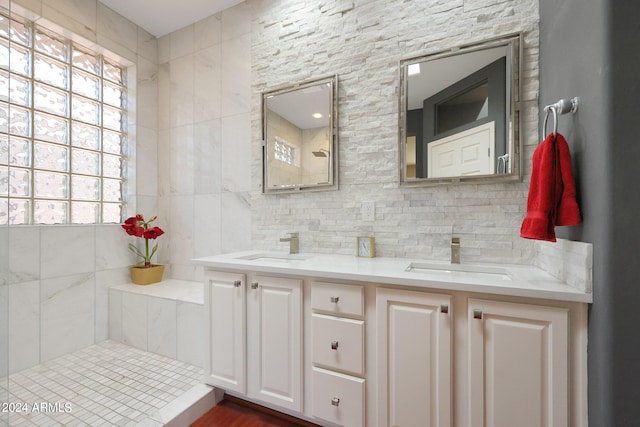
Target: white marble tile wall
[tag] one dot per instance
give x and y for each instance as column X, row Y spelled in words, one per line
column 24, row 323
column 67, row 314
column 205, row 138
column 162, row 327
column 166, row 318
column 4, row 256
column 190, row 325
column 58, row 277
column 134, row 320
column 57, row 288
column 4, row 331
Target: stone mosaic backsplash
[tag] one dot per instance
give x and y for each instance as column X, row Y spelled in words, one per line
column 571, row 262
column 362, row 42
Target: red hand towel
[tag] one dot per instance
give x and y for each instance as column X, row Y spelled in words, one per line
column 552, row 191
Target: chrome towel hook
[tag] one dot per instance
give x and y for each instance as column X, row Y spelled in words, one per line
column 563, row 106
column 547, row 110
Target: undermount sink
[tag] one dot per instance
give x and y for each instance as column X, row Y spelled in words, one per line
column 275, row 257
column 479, row 271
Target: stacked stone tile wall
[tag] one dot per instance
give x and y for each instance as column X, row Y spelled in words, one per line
column 362, row 41
column 569, row 261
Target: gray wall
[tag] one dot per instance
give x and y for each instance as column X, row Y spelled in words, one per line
column 590, row 50
column 624, row 208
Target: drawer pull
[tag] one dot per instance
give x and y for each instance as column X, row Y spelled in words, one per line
column 237, row 283
column 444, row 308
column 335, row 401
column 477, row 314
column 335, row 299
column 254, row 285
column 334, row 345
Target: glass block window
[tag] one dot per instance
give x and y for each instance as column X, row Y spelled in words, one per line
column 62, row 130
column 285, row 152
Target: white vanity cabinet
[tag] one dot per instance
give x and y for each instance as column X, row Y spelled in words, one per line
column 414, row 358
column 338, row 354
column 379, row 346
column 518, row 364
column 263, row 315
column 274, row 341
column 508, row 362
column 225, row 362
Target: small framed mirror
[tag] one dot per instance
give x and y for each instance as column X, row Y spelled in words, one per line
column 300, row 134
column 458, row 118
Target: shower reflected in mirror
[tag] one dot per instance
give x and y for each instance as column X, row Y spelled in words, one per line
column 300, row 137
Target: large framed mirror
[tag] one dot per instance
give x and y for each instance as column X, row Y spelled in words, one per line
column 300, row 137
column 459, row 116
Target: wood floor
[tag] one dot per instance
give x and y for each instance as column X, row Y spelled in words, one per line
column 234, row 412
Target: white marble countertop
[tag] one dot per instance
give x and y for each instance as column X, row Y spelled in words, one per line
column 500, row 279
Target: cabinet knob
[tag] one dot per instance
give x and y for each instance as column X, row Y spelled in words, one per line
column 334, row 345
column 335, row 401
column 254, row 285
column 477, row 314
column 237, row 283
column 335, row 299
column 444, row 308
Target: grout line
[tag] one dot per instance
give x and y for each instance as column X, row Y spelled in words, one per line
column 101, row 383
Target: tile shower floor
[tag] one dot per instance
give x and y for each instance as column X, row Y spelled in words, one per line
column 107, row 384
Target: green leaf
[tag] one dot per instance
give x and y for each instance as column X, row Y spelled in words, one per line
column 133, row 248
column 153, row 251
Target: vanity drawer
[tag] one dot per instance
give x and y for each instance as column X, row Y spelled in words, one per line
column 338, row 343
column 338, row 299
column 338, row 398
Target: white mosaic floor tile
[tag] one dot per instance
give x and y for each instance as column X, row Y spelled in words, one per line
column 108, row 384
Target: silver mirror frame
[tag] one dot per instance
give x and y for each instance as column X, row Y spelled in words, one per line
column 514, row 125
column 333, row 173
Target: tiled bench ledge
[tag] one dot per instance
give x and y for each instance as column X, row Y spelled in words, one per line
column 166, row 318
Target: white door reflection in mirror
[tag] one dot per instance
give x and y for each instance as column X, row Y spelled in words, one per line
column 469, row 152
column 458, row 119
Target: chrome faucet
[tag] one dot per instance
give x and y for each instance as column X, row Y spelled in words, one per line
column 455, row 250
column 294, row 242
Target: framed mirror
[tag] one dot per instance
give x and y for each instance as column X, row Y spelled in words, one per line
column 459, row 117
column 300, row 137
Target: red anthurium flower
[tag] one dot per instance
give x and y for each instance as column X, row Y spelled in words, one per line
column 131, row 221
column 132, row 228
column 138, row 227
column 152, row 233
column 134, row 231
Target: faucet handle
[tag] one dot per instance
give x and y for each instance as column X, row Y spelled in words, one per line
column 294, row 242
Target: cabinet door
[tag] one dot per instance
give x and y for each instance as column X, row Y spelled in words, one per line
column 414, row 358
column 274, row 316
column 517, row 365
column 225, row 362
